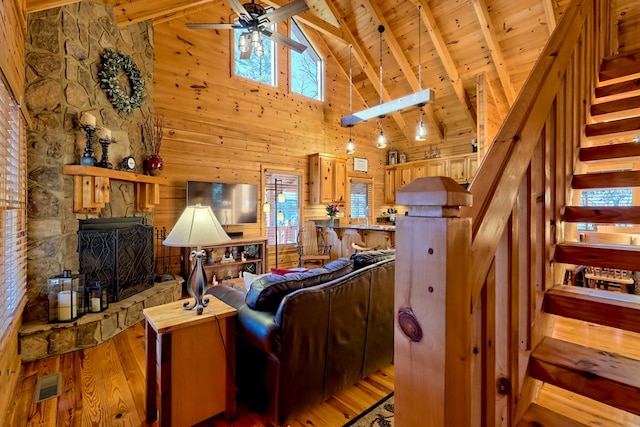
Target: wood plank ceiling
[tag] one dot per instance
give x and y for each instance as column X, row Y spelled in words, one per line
column 459, row 40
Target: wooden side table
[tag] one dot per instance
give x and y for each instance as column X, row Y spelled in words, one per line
column 189, row 372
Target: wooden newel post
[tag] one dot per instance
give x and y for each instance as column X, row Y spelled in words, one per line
column 433, row 345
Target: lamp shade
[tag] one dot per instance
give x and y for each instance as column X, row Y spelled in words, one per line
column 197, row 226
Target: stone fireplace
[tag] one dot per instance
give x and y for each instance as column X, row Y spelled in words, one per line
column 117, row 252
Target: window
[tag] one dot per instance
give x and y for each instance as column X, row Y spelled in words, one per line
column 361, row 198
column 259, row 68
column 283, row 212
column 306, row 67
column 13, row 244
column 606, row 197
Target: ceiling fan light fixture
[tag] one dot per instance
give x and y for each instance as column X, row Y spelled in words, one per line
column 255, row 37
column 258, row 48
column 243, row 42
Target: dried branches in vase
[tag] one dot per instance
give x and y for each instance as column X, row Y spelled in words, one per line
column 152, row 137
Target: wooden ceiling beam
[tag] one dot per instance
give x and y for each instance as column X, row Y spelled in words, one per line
column 403, row 62
column 311, row 20
column 482, row 13
column 360, row 56
column 447, row 61
column 134, row 11
column 550, row 13
column 38, row 5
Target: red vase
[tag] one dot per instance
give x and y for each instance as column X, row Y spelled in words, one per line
column 153, row 165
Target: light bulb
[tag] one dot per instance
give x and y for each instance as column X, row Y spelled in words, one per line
column 255, row 36
column 351, row 147
column 382, row 140
column 421, row 131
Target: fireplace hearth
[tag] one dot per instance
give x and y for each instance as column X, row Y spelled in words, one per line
column 117, row 252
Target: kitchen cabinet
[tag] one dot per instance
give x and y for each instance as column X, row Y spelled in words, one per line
column 327, row 179
column 461, row 168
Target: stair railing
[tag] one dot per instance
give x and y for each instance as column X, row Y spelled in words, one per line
column 470, row 279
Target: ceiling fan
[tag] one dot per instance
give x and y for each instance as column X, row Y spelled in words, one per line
column 255, row 20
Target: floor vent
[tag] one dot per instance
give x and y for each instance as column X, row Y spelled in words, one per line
column 47, row 387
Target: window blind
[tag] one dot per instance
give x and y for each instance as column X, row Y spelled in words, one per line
column 361, row 199
column 13, row 244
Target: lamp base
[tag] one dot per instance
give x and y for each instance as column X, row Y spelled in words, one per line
column 197, row 279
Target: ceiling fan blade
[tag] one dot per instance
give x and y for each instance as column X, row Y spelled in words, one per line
column 284, row 12
column 240, row 10
column 284, row 41
column 205, row 26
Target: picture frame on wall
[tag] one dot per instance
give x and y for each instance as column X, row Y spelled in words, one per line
column 360, row 164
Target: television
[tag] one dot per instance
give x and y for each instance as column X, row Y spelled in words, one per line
column 233, row 204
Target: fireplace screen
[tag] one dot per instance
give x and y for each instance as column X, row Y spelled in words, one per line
column 117, row 252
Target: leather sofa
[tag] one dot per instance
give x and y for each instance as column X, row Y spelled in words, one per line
column 303, row 337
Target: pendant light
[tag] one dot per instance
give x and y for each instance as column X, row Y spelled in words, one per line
column 421, row 129
column 351, row 147
column 382, row 139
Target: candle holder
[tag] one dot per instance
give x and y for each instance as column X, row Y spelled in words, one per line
column 104, row 161
column 88, row 158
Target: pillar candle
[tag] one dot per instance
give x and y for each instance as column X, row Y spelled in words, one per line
column 95, row 305
column 67, row 306
column 88, row 119
column 104, row 133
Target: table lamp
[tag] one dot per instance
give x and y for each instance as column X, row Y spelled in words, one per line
column 197, row 227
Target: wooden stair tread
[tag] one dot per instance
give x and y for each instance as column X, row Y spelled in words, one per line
column 613, row 309
column 620, row 65
column 619, row 179
column 599, row 255
column 602, row 214
column 606, row 377
column 609, row 152
column 613, row 126
column 615, row 106
column 617, row 88
column 616, row 56
column 539, row 416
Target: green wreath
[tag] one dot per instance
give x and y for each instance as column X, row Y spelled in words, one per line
column 112, row 63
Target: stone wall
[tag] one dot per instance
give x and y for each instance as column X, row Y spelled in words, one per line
column 63, row 48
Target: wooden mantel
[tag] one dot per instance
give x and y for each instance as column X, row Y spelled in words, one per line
column 91, row 187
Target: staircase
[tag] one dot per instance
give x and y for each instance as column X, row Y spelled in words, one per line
column 597, row 374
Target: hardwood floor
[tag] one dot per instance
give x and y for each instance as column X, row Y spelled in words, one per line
column 104, row 386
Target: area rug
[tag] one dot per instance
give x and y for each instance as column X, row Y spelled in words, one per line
column 379, row 415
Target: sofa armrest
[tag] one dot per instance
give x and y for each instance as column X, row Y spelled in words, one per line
column 258, row 328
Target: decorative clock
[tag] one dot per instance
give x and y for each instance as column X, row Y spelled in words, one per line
column 129, row 164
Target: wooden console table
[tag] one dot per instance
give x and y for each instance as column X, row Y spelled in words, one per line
column 190, row 359
column 91, row 187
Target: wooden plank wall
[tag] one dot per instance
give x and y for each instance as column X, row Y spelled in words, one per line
column 12, row 33
column 219, row 127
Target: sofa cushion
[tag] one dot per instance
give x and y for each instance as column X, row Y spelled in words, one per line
column 362, row 259
column 267, row 292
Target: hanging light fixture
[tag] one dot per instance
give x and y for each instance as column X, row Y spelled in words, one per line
column 382, row 139
column 351, row 147
column 421, row 129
